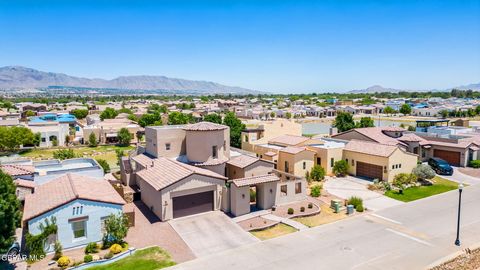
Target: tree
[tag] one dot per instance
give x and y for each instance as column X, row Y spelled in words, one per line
column 29, row 113
column 11, row 138
column 317, row 173
column 150, row 119
column 104, row 164
column 178, row 118
column 124, row 136
column 340, row 168
column 236, row 127
column 108, row 113
column 64, row 154
column 388, row 110
column 402, row 179
column 10, row 214
column 288, row 115
column 80, row 113
column 92, row 140
column 344, row 121
column 406, row 109
column 272, row 114
column 116, row 229
column 120, row 154
column 365, row 122
column 213, row 117
column 423, row 172
column 443, row 113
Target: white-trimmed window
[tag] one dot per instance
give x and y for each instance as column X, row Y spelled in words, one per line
column 79, row 229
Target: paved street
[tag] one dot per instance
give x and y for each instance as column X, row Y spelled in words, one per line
column 346, row 187
column 461, row 177
column 408, row 236
column 210, row 233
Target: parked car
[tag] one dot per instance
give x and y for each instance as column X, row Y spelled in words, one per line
column 440, row 166
column 13, row 251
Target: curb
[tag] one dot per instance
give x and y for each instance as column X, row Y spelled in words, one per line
column 452, row 256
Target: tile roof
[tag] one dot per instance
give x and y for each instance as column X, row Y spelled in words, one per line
column 411, row 137
column 209, row 162
column 24, row 183
column 288, row 140
column 143, row 160
column 242, row 161
column 15, row 170
column 204, row 126
column 65, row 189
column 270, row 154
column 375, row 134
column 166, row 172
column 293, row 149
column 248, row 181
column 370, row 148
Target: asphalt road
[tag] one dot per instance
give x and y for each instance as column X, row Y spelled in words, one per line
column 409, row 236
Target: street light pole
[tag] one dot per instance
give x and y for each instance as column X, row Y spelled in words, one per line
column 460, row 188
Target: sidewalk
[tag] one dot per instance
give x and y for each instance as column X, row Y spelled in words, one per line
column 297, row 225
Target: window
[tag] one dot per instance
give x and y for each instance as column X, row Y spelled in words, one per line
column 346, row 160
column 319, row 161
column 393, row 167
column 214, row 151
column 79, row 229
column 400, row 165
column 332, row 162
column 275, row 166
column 353, row 162
column 224, row 145
column 261, row 156
column 304, row 165
column 44, row 139
column 283, row 190
column 286, row 166
column 167, row 146
column 298, row 188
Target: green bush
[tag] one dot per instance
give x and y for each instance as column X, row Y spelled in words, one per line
column 109, row 255
column 402, row 179
column 57, row 247
column 340, row 168
column 357, row 203
column 424, row 171
column 310, row 205
column 91, row 248
column 316, row 191
column 253, row 195
column 475, row 163
column 302, row 209
column 88, row 258
column 290, row 211
column 317, row 173
column 104, row 164
column 63, row 154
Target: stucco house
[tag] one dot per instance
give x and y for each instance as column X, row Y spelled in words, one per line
column 51, row 132
column 79, row 209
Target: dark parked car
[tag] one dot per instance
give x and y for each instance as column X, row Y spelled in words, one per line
column 440, row 166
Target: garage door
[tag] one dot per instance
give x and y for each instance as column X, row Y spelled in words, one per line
column 192, row 204
column 369, row 170
column 453, row 158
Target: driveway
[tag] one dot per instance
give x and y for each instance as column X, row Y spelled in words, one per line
column 465, row 178
column 211, row 232
column 346, row 187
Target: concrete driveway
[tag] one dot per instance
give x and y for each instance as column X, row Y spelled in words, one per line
column 461, row 177
column 346, row 187
column 210, row 233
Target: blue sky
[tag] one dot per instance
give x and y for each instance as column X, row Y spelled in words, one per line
column 279, row 46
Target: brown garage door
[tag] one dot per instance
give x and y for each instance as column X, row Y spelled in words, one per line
column 192, row 204
column 453, row 158
column 369, row 170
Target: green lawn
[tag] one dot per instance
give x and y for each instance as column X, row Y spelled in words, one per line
column 440, row 185
column 145, row 259
column 106, row 152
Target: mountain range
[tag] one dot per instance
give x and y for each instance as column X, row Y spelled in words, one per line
column 381, row 89
column 15, row 77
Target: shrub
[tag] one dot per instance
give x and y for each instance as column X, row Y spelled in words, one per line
column 104, row 164
column 310, row 205
column 316, row 190
column 424, row 171
column 92, row 140
column 402, row 179
column 88, row 258
column 253, row 195
column 64, row 261
column 116, row 227
column 475, row 163
column 57, row 247
column 109, row 255
column 290, row 211
column 317, row 173
column 115, row 249
column 302, row 209
column 357, row 203
column 340, row 168
column 124, row 136
column 64, row 154
column 91, row 248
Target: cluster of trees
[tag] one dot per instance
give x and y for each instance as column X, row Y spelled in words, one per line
column 185, row 106
column 153, row 117
column 11, row 138
column 9, row 211
column 468, row 113
column 344, row 121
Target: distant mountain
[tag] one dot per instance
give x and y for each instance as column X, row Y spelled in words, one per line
column 473, row 86
column 12, row 77
column 375, row 89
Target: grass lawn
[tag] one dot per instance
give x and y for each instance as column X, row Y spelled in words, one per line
column 145, row 259
column 275, row 231
column 106, row 152
column 440, row 185
column 326, row 216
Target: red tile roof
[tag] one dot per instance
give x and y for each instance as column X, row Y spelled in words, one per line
column 242, row 161
column 293, row 149
column 24, row 183
column 15, row 170
column 370, row 148
column 166, row 172
column 288, row 140
column 204, row 126
column 65, row 189
column 254, row 180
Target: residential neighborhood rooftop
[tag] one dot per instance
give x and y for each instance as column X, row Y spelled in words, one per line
column 204, row 126
column 254, row 180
